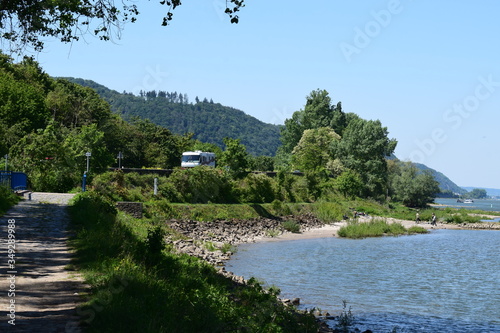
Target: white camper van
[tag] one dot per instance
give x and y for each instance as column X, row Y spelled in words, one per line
column 190, row 159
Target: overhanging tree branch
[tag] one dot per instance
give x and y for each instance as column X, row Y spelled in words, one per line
column 25, row 23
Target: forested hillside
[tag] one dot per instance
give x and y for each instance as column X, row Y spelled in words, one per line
column 209, row 122
column 445, row 184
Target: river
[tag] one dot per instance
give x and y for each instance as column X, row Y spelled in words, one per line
column 482, row 204
column 445, row 281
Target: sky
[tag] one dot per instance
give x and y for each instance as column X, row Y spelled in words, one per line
column 428, row 70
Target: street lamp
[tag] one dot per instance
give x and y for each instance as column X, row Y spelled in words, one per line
column 88, row 154
column 120, row 156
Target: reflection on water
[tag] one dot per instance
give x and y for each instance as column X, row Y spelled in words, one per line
column 446, row 281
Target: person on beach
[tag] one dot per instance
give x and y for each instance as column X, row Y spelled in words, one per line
column 417, row 219
column 433, row 220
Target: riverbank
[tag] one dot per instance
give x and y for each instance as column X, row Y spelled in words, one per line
column 215, row 241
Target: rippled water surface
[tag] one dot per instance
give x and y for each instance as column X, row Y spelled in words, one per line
column 446, row 281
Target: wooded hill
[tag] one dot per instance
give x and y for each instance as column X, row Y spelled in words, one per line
column 445, row 183
column 209, row 122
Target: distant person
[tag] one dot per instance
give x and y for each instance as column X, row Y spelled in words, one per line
column 417, row 218
column 433, row 219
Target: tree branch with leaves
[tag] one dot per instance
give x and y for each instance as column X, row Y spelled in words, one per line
column 25, row 23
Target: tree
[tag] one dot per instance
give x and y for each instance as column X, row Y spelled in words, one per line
column 349, row 183
column 318, row 112
column 364, row 148
column 235, row 157
column 48, row 163
column 22, row 95
column 262, row 163
column 412, row 187
column 477, row 193
column 74, row 105
column 313, row 150
column 89, row 139
column 27, row 23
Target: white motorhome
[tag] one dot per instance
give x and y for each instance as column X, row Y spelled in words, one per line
column 191, row 159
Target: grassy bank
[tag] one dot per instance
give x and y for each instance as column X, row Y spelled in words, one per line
column 137, row 285
column 377, row 228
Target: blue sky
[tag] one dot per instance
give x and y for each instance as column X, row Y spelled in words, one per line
column 428, row 70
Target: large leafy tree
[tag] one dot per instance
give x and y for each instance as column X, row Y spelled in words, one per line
column 318, row 112
column 411, row 186
column 363, row 149
column 27, row 22
column 48, row 163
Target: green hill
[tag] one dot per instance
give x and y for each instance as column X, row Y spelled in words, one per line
column 445, row 184
column 208, row 121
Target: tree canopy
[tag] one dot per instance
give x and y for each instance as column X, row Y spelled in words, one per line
column 26, row 23
column 411, row 186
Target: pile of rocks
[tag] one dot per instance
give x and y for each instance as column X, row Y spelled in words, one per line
column 481, row 225
column 213, row 241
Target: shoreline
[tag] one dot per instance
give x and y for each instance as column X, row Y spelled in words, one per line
column 236, row 232
column 215, row 241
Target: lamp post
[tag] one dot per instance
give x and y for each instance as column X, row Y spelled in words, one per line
column 120, row 156
column 88, row 154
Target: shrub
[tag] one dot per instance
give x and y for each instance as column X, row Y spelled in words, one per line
column 280, row 208
column 257, row 188
column 7, row 199
column 199, row 185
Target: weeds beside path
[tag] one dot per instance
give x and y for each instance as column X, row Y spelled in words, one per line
column 46, row 294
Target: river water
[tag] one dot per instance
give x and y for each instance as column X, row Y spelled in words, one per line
column 445, row 281
column 482, row 204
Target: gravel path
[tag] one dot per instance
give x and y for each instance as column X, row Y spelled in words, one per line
column 37, row 293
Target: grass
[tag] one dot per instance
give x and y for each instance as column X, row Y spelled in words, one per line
column 136, row 287
column 376, row 228
column 291, row 226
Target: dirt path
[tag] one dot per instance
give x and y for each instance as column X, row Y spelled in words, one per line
column 37, row 293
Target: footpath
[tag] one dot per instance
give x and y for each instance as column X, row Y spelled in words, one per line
column 37, row 291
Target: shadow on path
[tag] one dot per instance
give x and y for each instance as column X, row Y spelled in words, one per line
column 43, row 292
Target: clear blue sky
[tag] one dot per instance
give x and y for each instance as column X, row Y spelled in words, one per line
column 428, row 70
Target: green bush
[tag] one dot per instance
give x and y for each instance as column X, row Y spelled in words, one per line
column 7, row 199
column 199, row 185
column 257, row 188
column 280, row 208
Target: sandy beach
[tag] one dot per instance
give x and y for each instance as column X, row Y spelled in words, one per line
column 330, row 230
